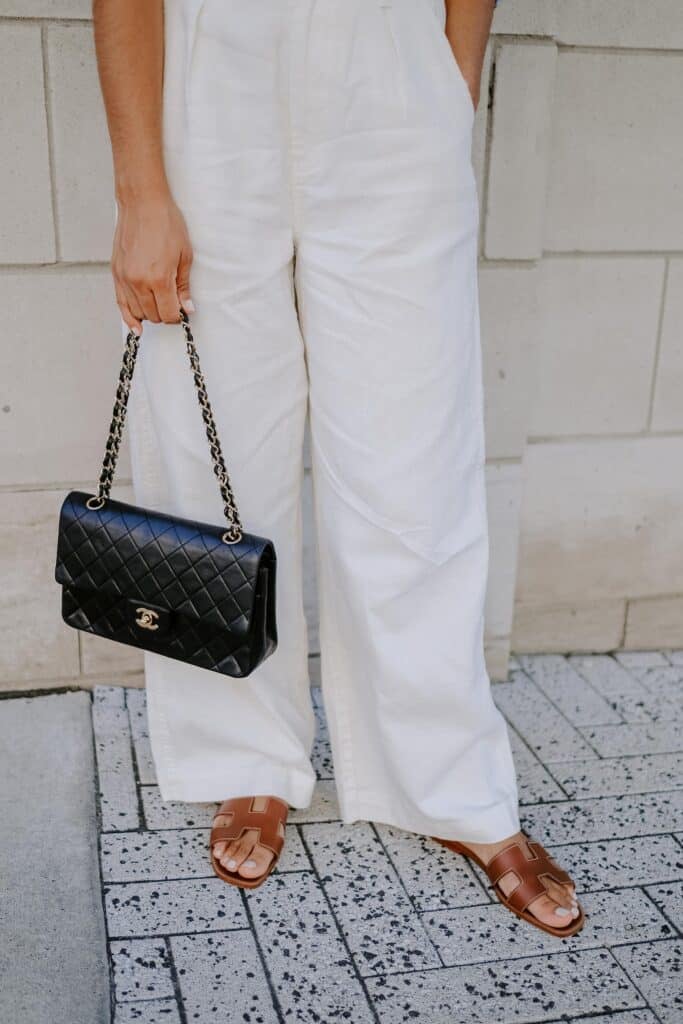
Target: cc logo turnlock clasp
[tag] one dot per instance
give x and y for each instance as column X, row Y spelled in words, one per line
column 147, row 618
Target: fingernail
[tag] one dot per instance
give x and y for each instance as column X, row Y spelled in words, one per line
column 188, row 305
column 232, row 864
column 562, row 912
column 250, row 864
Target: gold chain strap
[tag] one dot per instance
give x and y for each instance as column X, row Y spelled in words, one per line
column 234, row 532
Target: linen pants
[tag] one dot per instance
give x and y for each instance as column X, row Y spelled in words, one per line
column 320, row 151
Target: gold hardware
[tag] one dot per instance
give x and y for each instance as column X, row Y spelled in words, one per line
column 96, row 502
column 147, row 618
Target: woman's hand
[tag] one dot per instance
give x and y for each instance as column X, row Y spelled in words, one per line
column 151, row 261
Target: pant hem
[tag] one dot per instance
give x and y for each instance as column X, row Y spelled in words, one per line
column 488, row 826
column 296, row 790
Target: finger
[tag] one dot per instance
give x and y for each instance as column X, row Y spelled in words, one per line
column 131, row 321
column 130, row 298
column 167, row 303
column 147, row 303
column 183, row 280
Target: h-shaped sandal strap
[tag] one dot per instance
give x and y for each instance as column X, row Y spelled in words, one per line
column 244, row 819
column 529, row 873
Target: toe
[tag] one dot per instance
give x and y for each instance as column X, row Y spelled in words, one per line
column 237, row 852
column 551, row 913
column 256, row 863
column 219, row 849
column 561, row 895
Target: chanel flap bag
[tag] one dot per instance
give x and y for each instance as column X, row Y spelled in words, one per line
column 199, row 593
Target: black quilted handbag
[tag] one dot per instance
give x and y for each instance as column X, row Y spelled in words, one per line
column 199, row 593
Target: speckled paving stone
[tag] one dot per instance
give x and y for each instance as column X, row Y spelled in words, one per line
column 645, row 773
column 607, row 675
column 675, row 657
column 625, row 689
column 657, row 970
column 434, row 877
column 309, row 965
column 610, row 817
column 669, row 899
column 640, row 660
column 535, row 784
column 629, row 1017
column 568, row 691
column 519, row 991
column 483, row 934
column 521, row 751
column 142, row 969
column 647, row 707
column 666, row 683
column 109, row 698
column 621, row 862
column 221, row 978
column 383, row 930
column 161, row 814
column 136, row 703
column 662, row 737
column 166, row 908
column 142, row 856
column 151, row 1011
column 321, row 756
column 323, row 806
column 113, row 748
column 547, row 732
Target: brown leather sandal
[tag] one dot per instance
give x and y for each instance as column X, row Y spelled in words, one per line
column 270, row 825
column 530, row 873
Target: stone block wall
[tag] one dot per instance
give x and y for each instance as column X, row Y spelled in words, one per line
column 578, row 157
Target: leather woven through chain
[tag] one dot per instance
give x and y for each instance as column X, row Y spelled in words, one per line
column 113, row 445
column 219, row 598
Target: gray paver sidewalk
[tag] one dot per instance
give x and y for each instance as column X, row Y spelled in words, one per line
column 367, row 923
column 53, row 955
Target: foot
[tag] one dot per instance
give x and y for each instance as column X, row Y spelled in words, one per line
column 244, row 856
column 559, row 908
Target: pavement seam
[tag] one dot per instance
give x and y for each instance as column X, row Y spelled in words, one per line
column 136, row 768
column 175, row 981
column 262, row 957
column 663, row 910
column 342, row 934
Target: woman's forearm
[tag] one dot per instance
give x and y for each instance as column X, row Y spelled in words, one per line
column 129, row 40
column 468, row 25
column 152, row 253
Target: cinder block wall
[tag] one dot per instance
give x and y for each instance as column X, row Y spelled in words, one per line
column 578, row 159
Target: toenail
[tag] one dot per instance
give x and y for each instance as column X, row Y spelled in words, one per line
column 250, row 864
column 232, row 864
column 575, row 912
column 562, row 912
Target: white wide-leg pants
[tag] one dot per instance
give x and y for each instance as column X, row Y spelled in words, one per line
column 320, row 152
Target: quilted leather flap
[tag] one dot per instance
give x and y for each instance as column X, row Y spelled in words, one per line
column 163, row 560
